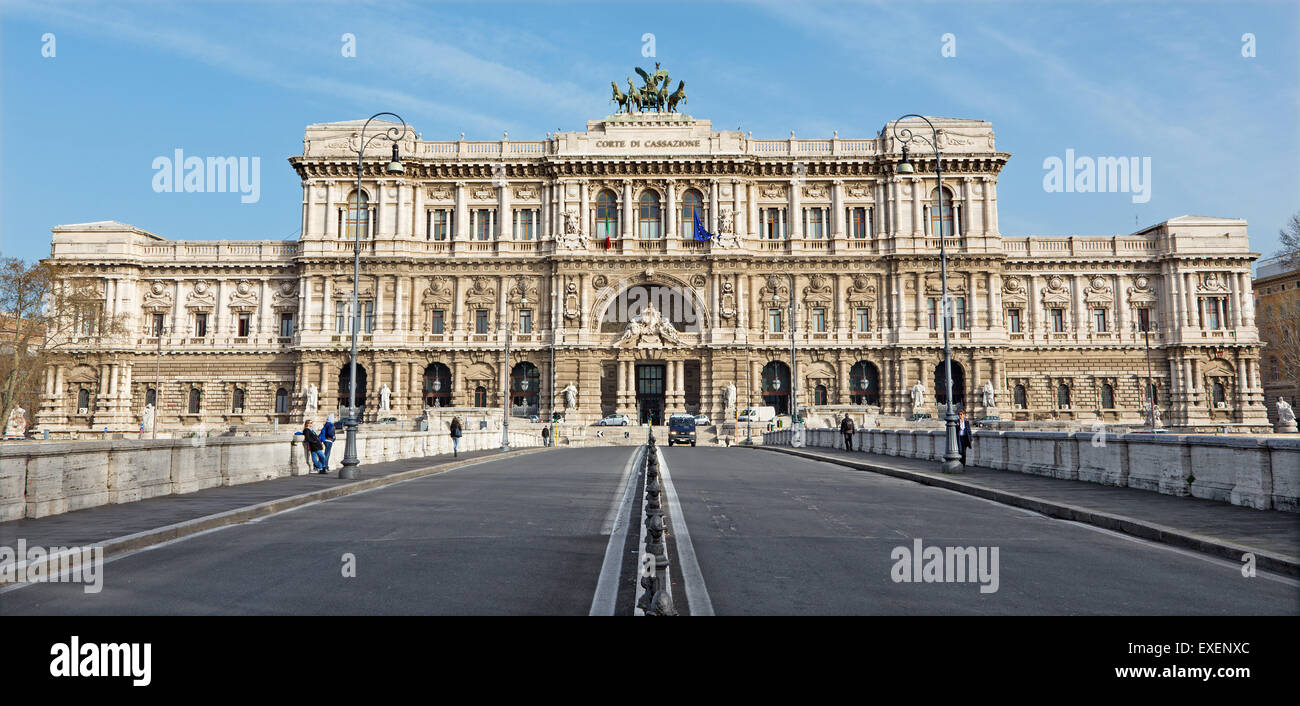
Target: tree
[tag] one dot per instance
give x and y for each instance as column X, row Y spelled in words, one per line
column 1290, row 235
column 43, row 312
column 1279, row 326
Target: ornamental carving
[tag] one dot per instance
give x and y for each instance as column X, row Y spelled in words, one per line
column 527, row 193
column 201, row 296
column 482, row 292
column 815, row 191
column 859, row 190
column 600, row 281
column 439, row 194
column 1211, row 283
column 572, row 238
column 244, row 297
column 774, row 191
column 157, row 298
column 1013, row 285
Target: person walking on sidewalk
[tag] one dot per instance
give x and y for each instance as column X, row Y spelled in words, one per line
column 546, row 436
column 455, row 436
column 315, row 445
column 847, row 427
column 327, row 436
column 965, row 437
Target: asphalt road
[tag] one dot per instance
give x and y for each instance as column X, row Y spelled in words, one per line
column 780, row 535
column 519, row 536
column 772, row 534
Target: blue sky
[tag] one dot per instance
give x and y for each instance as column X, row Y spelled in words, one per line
column 131, row 81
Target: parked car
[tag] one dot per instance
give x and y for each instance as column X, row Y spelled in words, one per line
column 392, row 421
column 757, row 414
column 702, row 420
column 614, row 420
column 681, row 429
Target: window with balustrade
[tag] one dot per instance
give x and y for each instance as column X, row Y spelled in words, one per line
column 606, row 215
column 438, row 224
column 772, row 220
column 819, row 320
column 525, row 224
column 1213, row 312
column 814, row 222
column 860, row 222
column 357, row 216
column 941, row 216
column 649, row 220
column 482, row 223
column 691, row 207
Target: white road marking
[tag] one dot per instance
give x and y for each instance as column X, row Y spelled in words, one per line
column 618, row 520
column 697, row 594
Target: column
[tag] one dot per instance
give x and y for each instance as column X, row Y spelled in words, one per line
column 325, row 311
column 919, row 321
column 752, row 195
column 1237, row 299
column 627, row 209
column 177, row 323
column 462, row 214
column 546, row 213
column 670, row 215
column 836, row 224
column 990, row 297
column 795, row 217
column 918, row 218
column 1189, row 290
column 216, row 310
column 403, row 206
column 420, row 229
column 713, row 206
column 331, row 213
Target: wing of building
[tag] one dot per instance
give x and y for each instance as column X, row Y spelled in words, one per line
column 585, row 245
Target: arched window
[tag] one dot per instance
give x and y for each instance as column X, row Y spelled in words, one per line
column 819, row 395
column 1020, row 398
column 1107, row 397
column 196, row 400
column 648, row 216
column 692, row 206
column 151, row 396
column 1219, row 395
column 83, row 399
column 237, row 400
column 1063, row 396
column 958, row 384
column 606, row 215
column 776, row 386
column 281, row 401
column 864, row 383
column 525, row 383
column 941, row 218
column 437, row 385
column 354, row 223
column 480, row 396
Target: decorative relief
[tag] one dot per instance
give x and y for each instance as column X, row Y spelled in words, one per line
column 438, row 193
column 483, row 193
column 727, row 306
column 815, row 191
column 526, row 193
column 201, row 296
column 772, row 191
column 1211, row 283
column 244, row 297
column 158, row 298
column 572, row 238
column 600, row 281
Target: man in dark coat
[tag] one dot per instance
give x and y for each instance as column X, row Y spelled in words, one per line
column 847, row 428
column 965, row 435
column 317, row 448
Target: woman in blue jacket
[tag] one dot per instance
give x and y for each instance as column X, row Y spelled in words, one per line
column 327, row 436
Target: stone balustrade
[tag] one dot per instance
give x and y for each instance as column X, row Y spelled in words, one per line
column 39, row 479
column 1261, row 472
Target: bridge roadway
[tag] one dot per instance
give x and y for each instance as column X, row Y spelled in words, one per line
column 771, row 534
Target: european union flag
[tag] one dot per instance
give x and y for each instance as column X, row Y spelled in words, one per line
column 700, row 232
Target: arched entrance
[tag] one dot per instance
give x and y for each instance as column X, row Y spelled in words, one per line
column 776, row 386
column 864, row 383
column 525, row 384
column 437, row 385
column 344, row 388
column 958, row 385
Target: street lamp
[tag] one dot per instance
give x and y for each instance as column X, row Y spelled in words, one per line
column 350, row 461
column 951, row 456
column 795, row 421
column 505, row 405
column 1150, row 393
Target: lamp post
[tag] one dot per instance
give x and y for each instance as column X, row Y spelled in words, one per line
column 1150, row 393
column 505, row 405
column 555, row 297
column 350, row 461
column 951, row 456
column 157, row 382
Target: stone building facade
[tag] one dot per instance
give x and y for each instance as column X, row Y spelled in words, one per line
column 1277, row 299
column 550, row 237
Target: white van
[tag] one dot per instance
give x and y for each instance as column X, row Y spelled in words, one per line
column 757, row 414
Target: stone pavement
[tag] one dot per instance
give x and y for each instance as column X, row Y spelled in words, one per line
column 1203, row 525
column 107, row 522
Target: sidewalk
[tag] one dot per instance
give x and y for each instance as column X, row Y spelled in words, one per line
column 1224, row 530
column 146, row 522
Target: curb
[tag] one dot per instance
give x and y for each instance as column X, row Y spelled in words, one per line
column 1278, row 563
column 167, row 533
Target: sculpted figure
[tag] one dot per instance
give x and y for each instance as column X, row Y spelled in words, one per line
column 570, row 396
column 918, row 397
column 385, row 395
column 312, row 396
column 148, row 417
column 729, row 395
column 17, row 423
column 989, row 396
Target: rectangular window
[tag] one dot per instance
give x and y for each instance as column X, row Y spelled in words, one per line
column 864, row 319
column 774, row 318
column 819, row 320
column 858, row 222
column 436, row 323
column 1144, row 319
column 439, row 224
column 526, row 321
column 286, row 325
column 201, row 324
column 1099, row 319
column 158, row 320
column 243, row 325
column 483, row 223
column 960, row 303
column 1214, row 312
column 1058, row 320
column 773, row 223
column 340, row 317
column 480, row 321
column 368, row 310
column 932, row 309
column 1013, row 320
column 814, row 222
column 525, row 225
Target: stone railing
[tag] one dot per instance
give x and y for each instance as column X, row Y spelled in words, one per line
column 39, row 479
column 1261, row 472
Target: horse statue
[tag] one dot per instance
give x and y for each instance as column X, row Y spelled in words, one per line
column 619, row 98
column 678, row 96
column 633, row 97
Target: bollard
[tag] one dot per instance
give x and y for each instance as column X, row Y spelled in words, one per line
column 654, row 542
column 662, row 603
column 649, row 581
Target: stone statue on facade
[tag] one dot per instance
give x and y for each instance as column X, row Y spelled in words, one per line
column 147, row 417
column 385, row 395
column 572, row 236
column 1286, row 423
column 570, row 392
column 918, row 397
column 649, row 328
column 990, row 397
column 726, row 236
column 729, row 398
column 313, row 396
column 16, row 425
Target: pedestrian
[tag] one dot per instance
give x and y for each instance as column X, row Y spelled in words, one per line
column 313, row 443
column 455, row 436
column 847, row 428
column 327, row 436
column 965, row 437
column 546, row 436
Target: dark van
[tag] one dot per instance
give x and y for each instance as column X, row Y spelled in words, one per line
column 681, row 429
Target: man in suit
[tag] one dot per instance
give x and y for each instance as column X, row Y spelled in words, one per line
column 965, row 435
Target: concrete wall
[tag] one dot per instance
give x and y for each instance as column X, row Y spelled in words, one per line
column 1253, row 471
column 48, row 478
